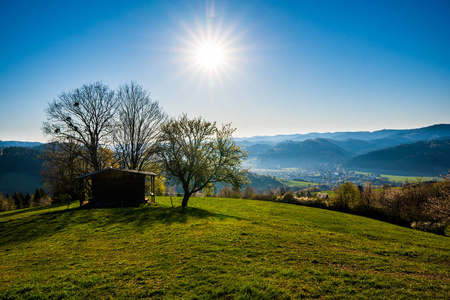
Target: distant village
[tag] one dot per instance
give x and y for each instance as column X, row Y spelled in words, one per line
column 327, row 178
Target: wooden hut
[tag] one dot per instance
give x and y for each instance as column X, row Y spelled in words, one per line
column 118, row 187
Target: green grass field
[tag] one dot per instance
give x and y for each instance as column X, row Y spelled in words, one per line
column 411, row 179
column 293, row 183
column 217, row 248
column 397, row 178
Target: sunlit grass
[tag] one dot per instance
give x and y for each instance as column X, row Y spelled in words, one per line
column 399, row 178
column 294, row 183
column 216, row 248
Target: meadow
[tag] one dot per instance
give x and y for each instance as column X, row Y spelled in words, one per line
column 400, row 178
column 216, row 249
column 295, row 183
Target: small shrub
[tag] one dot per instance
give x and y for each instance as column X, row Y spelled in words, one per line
column 322, row 196
column 288, row 198
column 264, row 197
column 248, row 192
column 45, row 200
column 7, row 203
column 225, row 192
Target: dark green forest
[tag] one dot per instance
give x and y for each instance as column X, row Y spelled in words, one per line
column 20, row 169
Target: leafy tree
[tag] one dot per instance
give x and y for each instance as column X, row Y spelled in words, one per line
column 107, row 158
column 137, row 128
column 196, row 153
column 160, row 188
column 7, row 203
column 83, row 116
column 208, row 190
column 347, row 195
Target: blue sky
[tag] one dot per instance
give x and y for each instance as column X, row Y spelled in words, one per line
column 291, row 66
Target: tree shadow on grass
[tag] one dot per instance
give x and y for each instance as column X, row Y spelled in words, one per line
column 83, row 222
column 32, row 209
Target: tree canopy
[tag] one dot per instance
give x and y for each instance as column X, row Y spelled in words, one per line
column 137, row 127
column 197, row 153
column 85, row 116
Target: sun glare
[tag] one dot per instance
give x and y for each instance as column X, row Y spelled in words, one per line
column 210, row 51
column 210, row 55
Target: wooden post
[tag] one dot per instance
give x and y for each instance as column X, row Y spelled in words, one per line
column 153, row 189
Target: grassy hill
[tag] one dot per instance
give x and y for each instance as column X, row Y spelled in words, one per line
column 294, row 183
column 217, row 248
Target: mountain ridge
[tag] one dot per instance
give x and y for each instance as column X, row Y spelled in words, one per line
column 24, row 144
column 421, row 132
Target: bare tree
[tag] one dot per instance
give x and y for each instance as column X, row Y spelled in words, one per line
column 196, row 153
column 138, row 126
column 63, row 163
column 84, row 116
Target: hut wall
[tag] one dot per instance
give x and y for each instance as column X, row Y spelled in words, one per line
column 118, row 189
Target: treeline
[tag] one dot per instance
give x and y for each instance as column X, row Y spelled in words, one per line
column 424, row 206
column 20, row 200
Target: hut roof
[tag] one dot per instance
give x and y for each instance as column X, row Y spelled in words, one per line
column 119, row 170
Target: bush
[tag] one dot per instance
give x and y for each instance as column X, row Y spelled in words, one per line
column 288, row 198
column 7, row 203
column 248, row 192
column 225, row 192
column 313, row 202
column 264, row 197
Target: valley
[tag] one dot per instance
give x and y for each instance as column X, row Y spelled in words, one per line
column 331, row 158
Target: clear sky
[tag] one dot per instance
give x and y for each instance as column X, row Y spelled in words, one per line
column 284, row 66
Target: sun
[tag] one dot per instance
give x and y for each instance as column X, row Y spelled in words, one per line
column 210, row 55
column 210, row 52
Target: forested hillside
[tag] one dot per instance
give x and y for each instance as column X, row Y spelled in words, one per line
column 422, row 158
column 20, row 170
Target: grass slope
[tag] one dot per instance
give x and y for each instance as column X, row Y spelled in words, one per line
column 397, row 178
column 217, row 248
column 294, row 183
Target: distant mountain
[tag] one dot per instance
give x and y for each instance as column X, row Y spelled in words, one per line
column 420, row 159
column 356, row 146
column 388, row 137
column 316, row 151
column 332, row 148
column 256, row 149
column 338, row 136
column 4, row 144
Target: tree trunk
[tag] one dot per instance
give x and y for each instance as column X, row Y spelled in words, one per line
column 185, row 200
